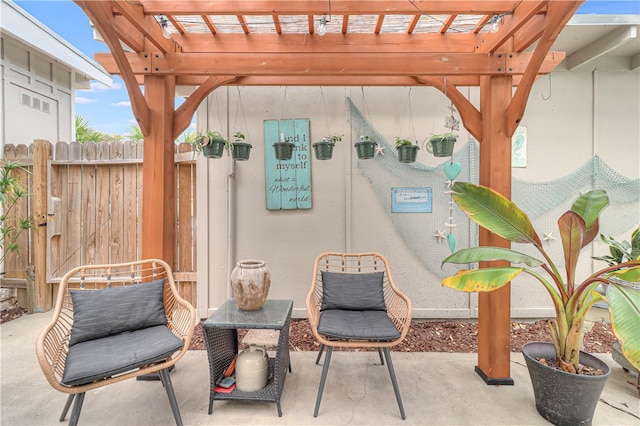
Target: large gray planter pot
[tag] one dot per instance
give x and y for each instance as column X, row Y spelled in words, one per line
column 564, row 398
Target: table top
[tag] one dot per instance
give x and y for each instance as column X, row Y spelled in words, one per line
column 273, row 314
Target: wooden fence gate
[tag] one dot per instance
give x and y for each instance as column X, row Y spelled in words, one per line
column 93, row 214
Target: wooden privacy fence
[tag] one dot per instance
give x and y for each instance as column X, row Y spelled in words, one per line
column 86, row 202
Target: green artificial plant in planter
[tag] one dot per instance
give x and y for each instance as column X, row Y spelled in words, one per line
column 240, row 150
column 366, row 147
column 621, row 252
column 571, row 297
column 283, row 149
column 407, row 151
column 211, row 144
column 441, row 145
column 324, row 149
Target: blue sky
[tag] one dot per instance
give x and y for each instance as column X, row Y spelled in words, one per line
column 108, row 109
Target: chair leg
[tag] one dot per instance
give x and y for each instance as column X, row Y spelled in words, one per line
column 394, row 381
column 323, row 378
column 320, row 353
column 67, row 405
column 166, row 381
column 75, row 412
column 380, row 353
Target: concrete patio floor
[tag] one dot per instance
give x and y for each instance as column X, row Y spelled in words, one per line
column 436, row 388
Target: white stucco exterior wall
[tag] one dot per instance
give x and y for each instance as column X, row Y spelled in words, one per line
column 581, row 115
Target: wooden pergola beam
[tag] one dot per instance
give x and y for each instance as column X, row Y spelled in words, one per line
column 144, row 23
column 364, row 64
column 101, row 14
column 182, row 116
column 329, row 43
column 321, row 7
column 558, row 14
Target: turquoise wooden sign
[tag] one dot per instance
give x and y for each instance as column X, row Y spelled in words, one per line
column 288, row 182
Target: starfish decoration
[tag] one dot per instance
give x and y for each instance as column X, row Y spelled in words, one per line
column 548, row 236
column 440, row 235
column 379, row 150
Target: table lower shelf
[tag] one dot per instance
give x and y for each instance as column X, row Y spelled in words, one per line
column 269, row 393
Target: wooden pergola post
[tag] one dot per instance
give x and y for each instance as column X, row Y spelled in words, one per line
column 494, row 317
column 158, row 169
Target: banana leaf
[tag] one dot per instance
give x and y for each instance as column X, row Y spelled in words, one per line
column 489, row 254
column 494, row 212
column 624, row 311
column 572, row 232
column 589, row 206
column 485, row 279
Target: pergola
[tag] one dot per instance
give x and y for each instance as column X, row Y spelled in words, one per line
column 496, row 45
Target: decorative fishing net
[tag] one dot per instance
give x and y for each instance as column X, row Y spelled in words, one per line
column 543, row 202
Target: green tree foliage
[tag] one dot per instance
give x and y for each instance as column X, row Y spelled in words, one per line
column 134, row 134
column 11, row 191
column 86, row 133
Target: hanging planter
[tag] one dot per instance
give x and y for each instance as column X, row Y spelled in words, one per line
column 441, row 145
column 283, row 150
column 213, row 144
column 366, row 148
column 407, row 151
column 324, row 149
column 240, row 150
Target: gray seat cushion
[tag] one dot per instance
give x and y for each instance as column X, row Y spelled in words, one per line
column 101, row 358
column 360, row 325
column 357, row 292
column 109, row 311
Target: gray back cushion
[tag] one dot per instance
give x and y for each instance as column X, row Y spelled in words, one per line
column 109, row 311
column 355, row 292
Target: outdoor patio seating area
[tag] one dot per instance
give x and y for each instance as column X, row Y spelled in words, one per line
column 141, row 267
column 438, row 388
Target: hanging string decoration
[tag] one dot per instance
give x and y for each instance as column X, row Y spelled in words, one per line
column 451, row 170
column 543, row 202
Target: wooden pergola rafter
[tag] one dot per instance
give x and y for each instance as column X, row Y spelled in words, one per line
column 446, row 44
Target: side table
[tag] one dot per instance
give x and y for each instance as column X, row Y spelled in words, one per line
column 221, row 338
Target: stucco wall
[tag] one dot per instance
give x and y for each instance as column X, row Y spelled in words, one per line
column 569, row 118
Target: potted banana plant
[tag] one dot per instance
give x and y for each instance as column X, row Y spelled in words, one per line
column 563, row 394
column 407, row 151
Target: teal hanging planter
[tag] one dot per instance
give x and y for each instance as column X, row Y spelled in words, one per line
column 240, row 151
column 441, row 145
column 407, row 152
column 214, row 148
column 283, row 150
column 323, row 150
column 366, row 148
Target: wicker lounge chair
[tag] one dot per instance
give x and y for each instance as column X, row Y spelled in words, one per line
column 353, row 302
column 112, row 323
